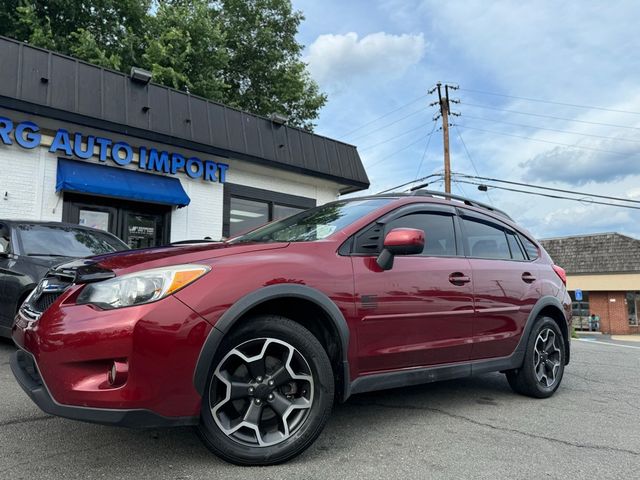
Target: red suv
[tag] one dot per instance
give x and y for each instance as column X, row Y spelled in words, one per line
column 253, row 339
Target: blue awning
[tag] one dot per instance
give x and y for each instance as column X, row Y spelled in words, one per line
column 84, row 177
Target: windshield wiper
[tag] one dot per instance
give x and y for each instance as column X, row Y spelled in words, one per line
column 49, row 255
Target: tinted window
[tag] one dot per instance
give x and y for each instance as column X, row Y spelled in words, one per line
column 514, row 246
column 485, row 241
column 530, row 248
column 66, row 241
column 314, row 224
column 439, row 232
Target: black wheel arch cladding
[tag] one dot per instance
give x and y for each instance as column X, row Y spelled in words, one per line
column 236, row 312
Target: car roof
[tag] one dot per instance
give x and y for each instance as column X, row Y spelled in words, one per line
column 431, row 196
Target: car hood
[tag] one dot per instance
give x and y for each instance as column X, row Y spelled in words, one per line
column 47, row 262
column 129, row 261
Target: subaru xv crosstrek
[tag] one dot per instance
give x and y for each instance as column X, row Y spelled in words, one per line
column 253, row 339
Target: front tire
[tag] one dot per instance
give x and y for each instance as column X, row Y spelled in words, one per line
column 544, row 360
column 269, row 393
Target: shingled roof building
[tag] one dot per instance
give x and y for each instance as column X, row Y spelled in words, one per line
column 84, row 144
column 606, row 268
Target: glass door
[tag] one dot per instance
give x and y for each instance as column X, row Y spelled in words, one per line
column 140, row 225
column 143, row 230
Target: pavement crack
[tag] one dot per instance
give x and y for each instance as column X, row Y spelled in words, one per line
column 504, row 429
column 25, row 420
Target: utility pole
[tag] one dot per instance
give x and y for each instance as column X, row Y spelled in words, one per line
column 445, row 110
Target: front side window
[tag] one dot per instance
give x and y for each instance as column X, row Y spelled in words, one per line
column 65, row 241
column 439, row 232
column 485, row 241
column 314, row 224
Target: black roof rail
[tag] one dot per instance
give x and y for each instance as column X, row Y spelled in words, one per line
column 466, row 201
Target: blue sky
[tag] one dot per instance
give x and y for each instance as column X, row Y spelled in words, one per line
column 371, row 57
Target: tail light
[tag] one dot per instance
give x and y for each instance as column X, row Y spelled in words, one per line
column 561, row 273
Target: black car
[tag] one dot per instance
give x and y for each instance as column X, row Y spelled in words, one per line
column 29, row 249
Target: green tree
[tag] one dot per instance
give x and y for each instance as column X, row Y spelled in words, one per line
column 265, row 73
column 240, row 52
column 185, row 48
column 104, row 32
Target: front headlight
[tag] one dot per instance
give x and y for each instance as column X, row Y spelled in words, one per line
column 140, row 287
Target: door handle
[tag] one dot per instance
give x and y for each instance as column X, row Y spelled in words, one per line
column 459, row 278
column 528, row 278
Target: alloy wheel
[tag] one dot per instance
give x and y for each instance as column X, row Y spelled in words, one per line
column 547, row 357
column 261, row 392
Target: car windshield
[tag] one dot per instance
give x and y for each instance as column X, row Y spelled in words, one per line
column 66, row 241
column 314, row 224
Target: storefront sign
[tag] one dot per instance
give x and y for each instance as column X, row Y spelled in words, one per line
column 27, row 135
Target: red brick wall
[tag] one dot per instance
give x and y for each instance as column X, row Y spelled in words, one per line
column 611, row 307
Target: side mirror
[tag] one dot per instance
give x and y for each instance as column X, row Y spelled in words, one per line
column 400, row 241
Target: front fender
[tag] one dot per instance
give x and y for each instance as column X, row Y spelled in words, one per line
column 251, row 300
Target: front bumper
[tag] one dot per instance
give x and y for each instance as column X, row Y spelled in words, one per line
column 68, row 352
column 25, row 370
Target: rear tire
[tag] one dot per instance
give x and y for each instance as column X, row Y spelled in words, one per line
column 543, row 367
column 269, row 393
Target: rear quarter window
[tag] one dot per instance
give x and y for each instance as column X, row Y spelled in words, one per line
column 531, row 248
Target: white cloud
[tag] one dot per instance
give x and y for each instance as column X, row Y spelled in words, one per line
column 335, row 60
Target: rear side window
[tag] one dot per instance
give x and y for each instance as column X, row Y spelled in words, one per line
column 530, row 248
column 485, row 241
column 439, row 232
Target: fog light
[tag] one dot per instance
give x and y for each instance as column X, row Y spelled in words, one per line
column 117, row 374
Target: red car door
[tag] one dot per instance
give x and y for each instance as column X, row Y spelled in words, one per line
column 505, row 287
column 420, row 312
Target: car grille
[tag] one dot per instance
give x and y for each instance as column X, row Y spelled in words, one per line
column 45, row 294
column 45, row 300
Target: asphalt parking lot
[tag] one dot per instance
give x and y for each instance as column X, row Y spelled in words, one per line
column 471, row 428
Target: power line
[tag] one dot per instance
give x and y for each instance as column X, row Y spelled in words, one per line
column 470, row 159
column 384, row 115
column 550, row 129
column 551, row 116
column 457, row 184
column 368, row 147
column 410, row 182
column 561, row 190
column 426, row 147
column 401, row 150
column 544, row 141
column 559, row 197
column 550, row 102
column 386, row 125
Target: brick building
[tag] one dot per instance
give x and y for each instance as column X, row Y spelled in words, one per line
column 606, row 268
column 84, row 144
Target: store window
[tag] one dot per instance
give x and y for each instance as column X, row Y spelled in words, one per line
column 581, row 312
column 246, row 208
column 633, row 307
